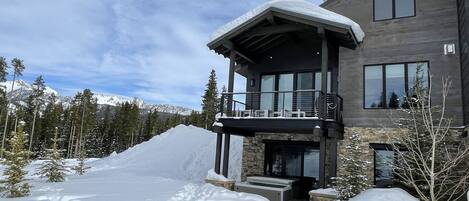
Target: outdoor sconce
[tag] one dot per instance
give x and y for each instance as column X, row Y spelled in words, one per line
column 450, row 49
column 252, row 83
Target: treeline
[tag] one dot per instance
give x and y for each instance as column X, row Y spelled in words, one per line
column 82, row 124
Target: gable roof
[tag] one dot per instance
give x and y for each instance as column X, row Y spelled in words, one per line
column 298, row 8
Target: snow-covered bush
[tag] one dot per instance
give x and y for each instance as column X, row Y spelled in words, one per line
column 354, row 179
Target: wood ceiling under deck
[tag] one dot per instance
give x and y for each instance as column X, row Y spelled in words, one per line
column 271, row 32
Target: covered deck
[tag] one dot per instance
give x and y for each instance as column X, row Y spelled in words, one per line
column 263, row 41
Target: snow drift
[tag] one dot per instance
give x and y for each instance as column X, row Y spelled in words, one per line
column 384, row 194
column 182, row 153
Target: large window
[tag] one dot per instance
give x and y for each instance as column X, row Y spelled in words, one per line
column 392, row 9
column 292, row 159
column 383, row 164
column 387, row 85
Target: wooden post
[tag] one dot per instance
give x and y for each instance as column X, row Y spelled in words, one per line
column 231, row 82
column 226, row 155
column 333, row 157
column 218, row 153
column 324, row 68
column 322, row 159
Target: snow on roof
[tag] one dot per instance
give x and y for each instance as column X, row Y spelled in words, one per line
column 300, row 7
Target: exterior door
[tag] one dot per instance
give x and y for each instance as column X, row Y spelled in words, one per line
column 285, row 97
column 267, row 99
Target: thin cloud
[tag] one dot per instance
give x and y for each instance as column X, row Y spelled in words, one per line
column 152, row 49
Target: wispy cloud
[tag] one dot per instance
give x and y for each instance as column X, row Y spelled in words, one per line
column 152, row 49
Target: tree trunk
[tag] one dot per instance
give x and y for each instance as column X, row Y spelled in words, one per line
column 6, row 118
column 32, row 131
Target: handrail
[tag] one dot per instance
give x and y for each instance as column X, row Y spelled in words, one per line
column 259, row 92
column 298, row 103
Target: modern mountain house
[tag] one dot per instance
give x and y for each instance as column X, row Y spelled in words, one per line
column 316, row 74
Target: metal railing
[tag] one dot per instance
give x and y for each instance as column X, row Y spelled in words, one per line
column 282, row 104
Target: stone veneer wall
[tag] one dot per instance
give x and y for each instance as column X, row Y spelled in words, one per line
column 253, row 148
column 368, row 136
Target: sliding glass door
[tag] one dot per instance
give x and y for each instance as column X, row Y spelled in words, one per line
column 267, row 99
column 285, row 98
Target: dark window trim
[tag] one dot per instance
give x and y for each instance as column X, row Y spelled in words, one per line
column 384, row 93
column 393, row 12
column 381, row 147
column 268, row 153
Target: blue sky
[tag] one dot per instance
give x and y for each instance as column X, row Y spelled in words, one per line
column 152, row 49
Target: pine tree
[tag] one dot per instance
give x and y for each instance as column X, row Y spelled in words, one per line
column 355, row 180
column 81, row 167
column 210, row 101
column 18, row 68
column 35, row 101
column 16, row 160
column 54, row 168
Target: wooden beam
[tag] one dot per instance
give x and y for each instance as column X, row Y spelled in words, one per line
column 231, row 74
column 256, row 41
column 266, row 42
column 333, row 157
column 324, row 59
column 322, row 159
column 218, row 153
column 226, row 155
column 276, row 29
column 232, row 47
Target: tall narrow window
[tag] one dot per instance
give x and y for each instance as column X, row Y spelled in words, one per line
column 304, row 96
column 285, row 85
column 374, row 87
column 418, row 77
column 383, row 164
column 395, row 85
column 267, row 85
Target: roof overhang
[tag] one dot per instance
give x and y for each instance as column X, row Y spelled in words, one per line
column 273, row 23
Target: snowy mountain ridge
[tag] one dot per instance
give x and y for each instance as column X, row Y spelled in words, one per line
column 23, row 89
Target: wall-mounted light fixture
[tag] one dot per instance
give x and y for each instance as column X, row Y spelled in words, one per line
column 450, row 49
column 252, row 83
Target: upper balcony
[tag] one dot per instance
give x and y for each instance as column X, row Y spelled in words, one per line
column 299, row 111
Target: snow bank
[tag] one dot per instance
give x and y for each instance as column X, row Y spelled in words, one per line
column 384, row 194
column 325, row 191
column 301, row 7
column 182, row 153
column 211, row 175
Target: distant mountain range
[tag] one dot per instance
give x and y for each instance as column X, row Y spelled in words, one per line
column 22, row 90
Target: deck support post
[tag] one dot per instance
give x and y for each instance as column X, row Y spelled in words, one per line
column 324, row 67
column 218, row 153
column 226, row 155
column 322, row 159
column 231, row 82
column 332, row 151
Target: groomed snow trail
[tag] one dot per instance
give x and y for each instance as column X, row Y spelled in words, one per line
column 171, row 166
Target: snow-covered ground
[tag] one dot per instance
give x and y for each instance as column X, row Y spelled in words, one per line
column 171, row 166
column 384, row 194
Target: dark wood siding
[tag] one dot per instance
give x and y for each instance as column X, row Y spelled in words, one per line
column 464, row 44
column 419, row 38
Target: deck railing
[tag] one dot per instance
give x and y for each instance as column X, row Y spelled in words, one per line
column 282, row 104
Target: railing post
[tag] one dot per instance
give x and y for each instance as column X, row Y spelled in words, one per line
column 222, row 104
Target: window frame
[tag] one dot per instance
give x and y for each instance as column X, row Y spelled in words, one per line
column 268, row 144
column 381, row 147
column 384, row 92
column 393, row 10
